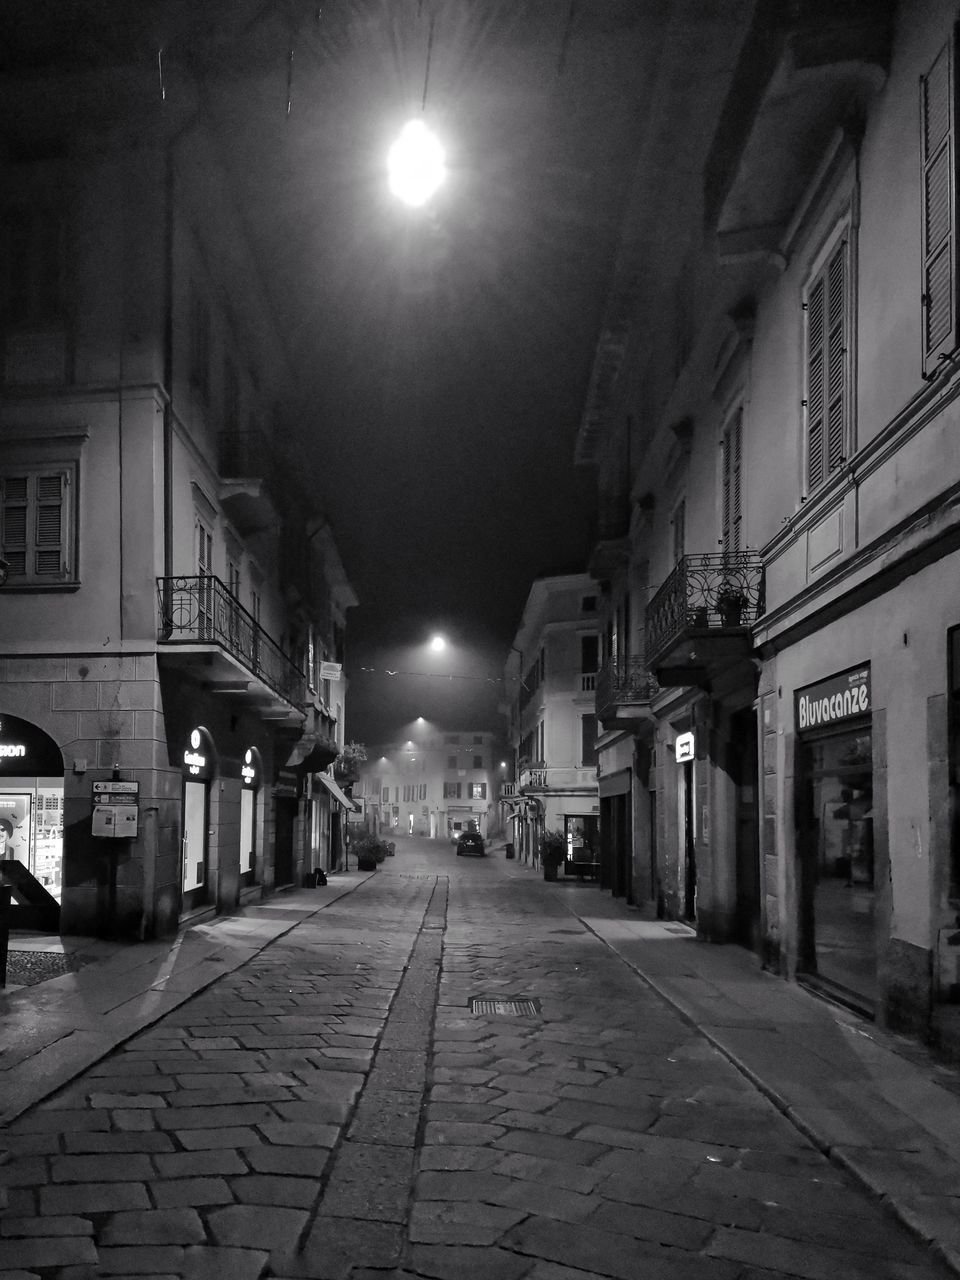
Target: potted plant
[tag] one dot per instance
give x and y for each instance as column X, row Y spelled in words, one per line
column 731, row 602
column 346, row 768
column 553, row 850
column 369, row 852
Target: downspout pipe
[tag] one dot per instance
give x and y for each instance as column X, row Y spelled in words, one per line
column 169, row 231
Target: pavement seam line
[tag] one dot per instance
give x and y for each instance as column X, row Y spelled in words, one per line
column 343, row 1139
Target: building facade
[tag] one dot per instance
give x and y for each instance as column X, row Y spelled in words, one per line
column 772, row 420
column 171, row 591
column 435, row 784
column 551, row 677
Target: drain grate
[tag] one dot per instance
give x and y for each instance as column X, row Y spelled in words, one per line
column 521, row 1007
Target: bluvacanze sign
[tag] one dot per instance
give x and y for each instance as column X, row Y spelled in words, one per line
column 835, row 699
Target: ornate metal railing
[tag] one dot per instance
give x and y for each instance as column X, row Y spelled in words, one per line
column 624, row 682
column 200, row 610
column 705, row 593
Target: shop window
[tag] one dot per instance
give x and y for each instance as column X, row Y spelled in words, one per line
column 827, row 307
column 39, row 521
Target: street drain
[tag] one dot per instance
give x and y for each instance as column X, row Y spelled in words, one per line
column 522, row 1008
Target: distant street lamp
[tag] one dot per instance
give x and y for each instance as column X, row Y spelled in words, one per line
column 416, row 164
column 438, row 644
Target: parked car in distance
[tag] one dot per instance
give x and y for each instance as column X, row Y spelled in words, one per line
column 470, row 843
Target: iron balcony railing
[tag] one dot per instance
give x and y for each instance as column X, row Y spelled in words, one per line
column 201, row 610
column 624, row 682
column 720, row 593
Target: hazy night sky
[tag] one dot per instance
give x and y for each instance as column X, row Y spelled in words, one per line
column 445, row 353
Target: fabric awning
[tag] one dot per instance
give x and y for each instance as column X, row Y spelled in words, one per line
column 337, row 794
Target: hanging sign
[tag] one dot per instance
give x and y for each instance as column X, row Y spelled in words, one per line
column 840, row 697
column 684, row 747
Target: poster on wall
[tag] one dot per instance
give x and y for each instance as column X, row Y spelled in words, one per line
column 15, row 826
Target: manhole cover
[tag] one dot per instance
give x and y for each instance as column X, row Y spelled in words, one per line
column 522, row 1007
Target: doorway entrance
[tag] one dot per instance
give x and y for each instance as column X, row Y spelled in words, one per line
column 743, row 768
column 286, row 813
column 837, row 875
column 688, row 852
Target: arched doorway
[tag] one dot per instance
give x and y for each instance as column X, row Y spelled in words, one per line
column 199, row 768
column 251, row 775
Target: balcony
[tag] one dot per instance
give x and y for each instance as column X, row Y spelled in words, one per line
column 802, row 80
column 698, row 623
column 625, row 689
column 205, row 631
column 248, row 485
column 542, row 777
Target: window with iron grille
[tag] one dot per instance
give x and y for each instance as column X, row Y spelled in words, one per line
column 938, row 199
column 827, row 305
column 38, row 524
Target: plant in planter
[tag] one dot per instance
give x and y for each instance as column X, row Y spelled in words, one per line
column 369, row 852
column 346, row 768
column 553, row 850
column 731, row 602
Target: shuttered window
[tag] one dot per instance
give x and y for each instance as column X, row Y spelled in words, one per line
column 938, row 207
column 827, row 306
column 732, row 493
column 37, row 524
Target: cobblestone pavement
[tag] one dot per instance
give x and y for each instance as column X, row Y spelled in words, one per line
column 334, row 1108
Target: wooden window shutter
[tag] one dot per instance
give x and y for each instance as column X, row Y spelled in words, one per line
column 15, row 504
column 815, row 380
column 48, row 529
column 836, row 358
column 731, row 485
column 938, row 207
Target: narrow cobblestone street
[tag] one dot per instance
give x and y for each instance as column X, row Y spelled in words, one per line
column 335, row 1108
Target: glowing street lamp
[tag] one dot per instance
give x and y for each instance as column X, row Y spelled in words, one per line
column 416, row 164
column 438, row 644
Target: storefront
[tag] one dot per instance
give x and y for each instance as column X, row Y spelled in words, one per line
column 31, row 801
column 837, row 932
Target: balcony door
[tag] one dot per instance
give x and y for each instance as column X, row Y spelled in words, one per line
column 204, row 549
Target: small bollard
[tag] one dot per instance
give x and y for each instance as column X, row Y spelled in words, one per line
column 4, row 931
column 511, row 852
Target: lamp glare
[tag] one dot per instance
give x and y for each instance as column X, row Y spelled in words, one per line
column 415, row 164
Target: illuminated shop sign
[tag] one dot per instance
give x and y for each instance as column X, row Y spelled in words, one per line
column 248, row 770
column 684, row 747
column 26, row 749
column 198, row 757
column 831, row 701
